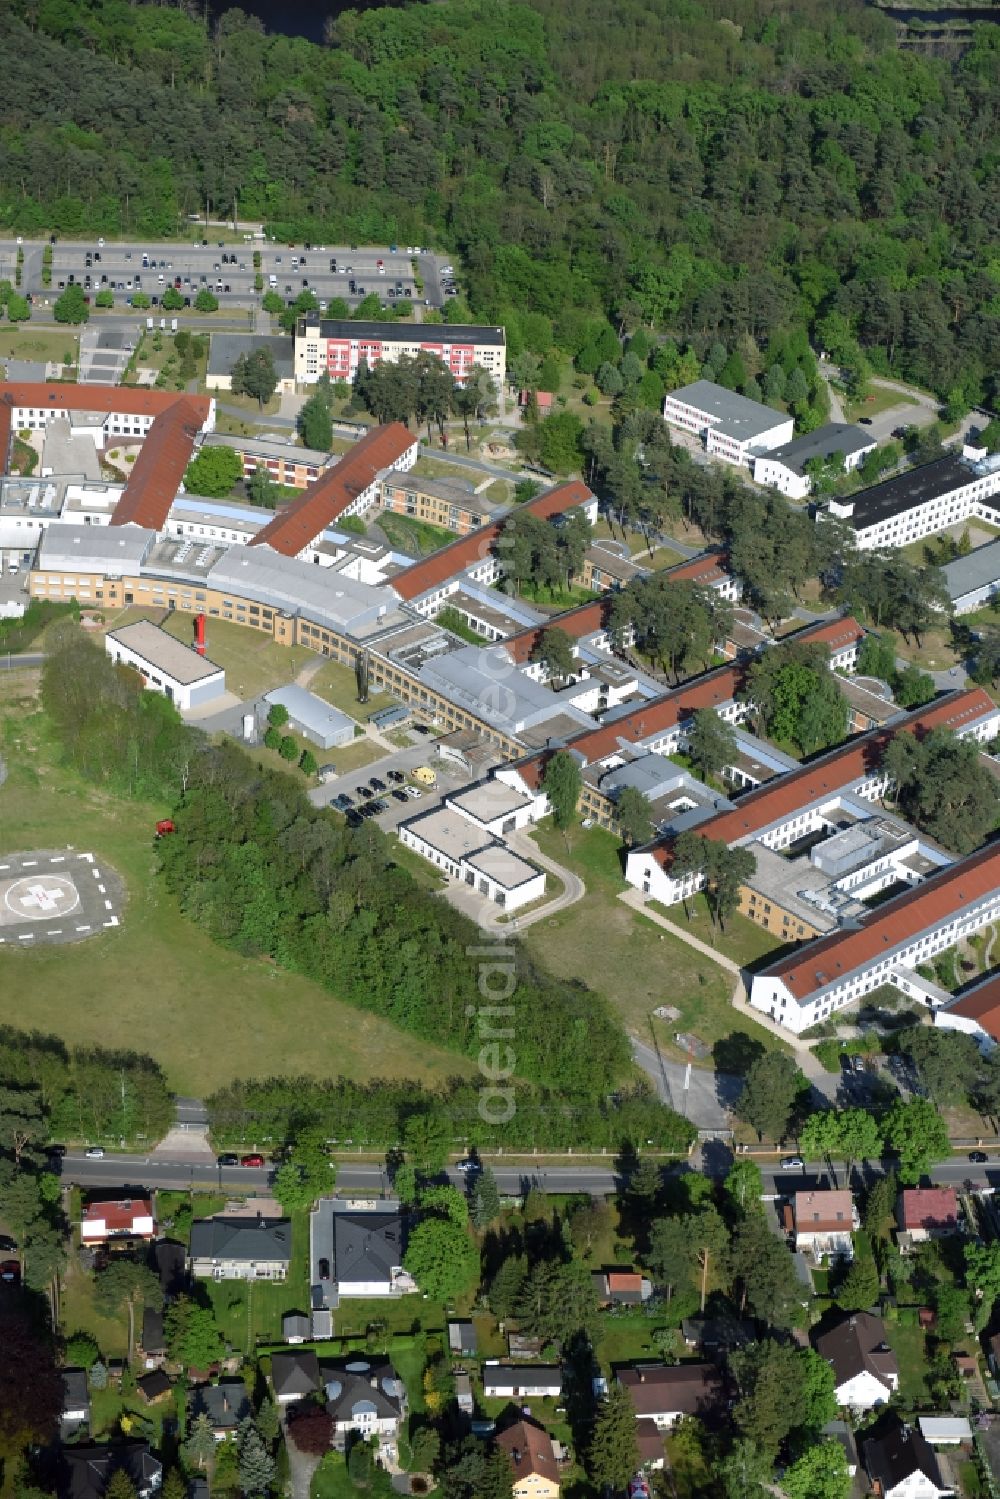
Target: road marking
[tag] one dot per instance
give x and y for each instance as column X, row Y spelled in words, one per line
column 112, row 922
column 58, row 859
column 56, row 933
column 108, row 906
column 83, row 928
column 29, row 864
column 96, row 873
column 4, row 866
column 102, row 889
column 89, row 857
column 26, row 937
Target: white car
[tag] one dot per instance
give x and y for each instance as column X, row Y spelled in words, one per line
column 792, row 1163
column 467, row 1167
column 413, row 791
column 94, row 1152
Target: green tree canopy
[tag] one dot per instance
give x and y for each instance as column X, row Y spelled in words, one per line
column 215, row 472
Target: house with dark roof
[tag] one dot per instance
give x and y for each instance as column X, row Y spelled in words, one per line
column 154, row 1386
column 666, row 1393
column 865, row 1370
column 225, row 1403
column 717, row 1335
column 529, row 1447
column 784, row 468
column 294, row 1375
column 241, row 1248
column 368, row 1248
column 87, row 1469
column 296, row 1327
column 366, row 1398
column 948, row 491
column 75, row 1412
column 152, row 1341
column 901, row 1464
column 649, row 1441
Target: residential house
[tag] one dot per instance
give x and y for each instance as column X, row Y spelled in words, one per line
column 296, row 1327
column 75, row 1412
column 716, row 1335
column 462, row 1338
column 367, row 1397
column 521, row 1381
column 649, row 1440
column 823, row 1222
column 294, row 1375
column 368, row 1248
column 152, row 1342
column 463, row 1393
column 241, row 1248
column 901, row 1465
column 529, row 1447
column 171, row 1266
column 621, row 1287
column 864, row 1366
column 839, row 1431
column 225, row 1404
column 665, row 1393
column 88, row 1468
column 154, row 1386
column 120, row 1218
column 926, row 1213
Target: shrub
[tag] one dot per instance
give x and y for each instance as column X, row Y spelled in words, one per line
column 288, row 749
column 277, row 715
column 272, row 739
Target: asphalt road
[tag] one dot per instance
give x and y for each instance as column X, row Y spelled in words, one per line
column 15, row 663
column 143, row 1171
column 294, row 268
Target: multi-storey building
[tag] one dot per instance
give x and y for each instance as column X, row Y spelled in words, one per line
column 283, row 462
column 731, row 426
column 454, row 505
column 950, row 491
column 327, row 346
column 784, row 468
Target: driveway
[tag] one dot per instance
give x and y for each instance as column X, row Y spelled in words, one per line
column 699, row 1093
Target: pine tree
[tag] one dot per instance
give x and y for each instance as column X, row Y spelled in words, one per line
column 174, row 1486
column 485, row 1199
column 256, row 1463
column 120, row 1486
column 644, row 1184
column 268, row 1421
column 199, row 1448
column 614, row 1455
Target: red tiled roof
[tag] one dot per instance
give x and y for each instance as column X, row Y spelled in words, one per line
column 156, row 477
column 118, row 1217
column 835, row 633
column 824, row 1212
column 329, row 496
column 981, row 1004
column 460, row 554
column 624, row 1280
column 829, row 774
column 843, row 952
column 106, row 398
column 585, row 619
column 708, row 568
column 929, row 1208
column 659, row 714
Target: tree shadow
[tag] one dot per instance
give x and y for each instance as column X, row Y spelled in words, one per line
column 736, row 1053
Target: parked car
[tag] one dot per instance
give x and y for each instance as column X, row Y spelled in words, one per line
column 395, row 775
column 468, row 1167
column 7, row 1244
column 413, row 792
column 252, row 1160
column 94, row 1152
column 792, row 1163
column 978, row 1157
column 324, row 1269
column 377, row 784
column 227, row 1160
column 400, row 795
column 865, row 421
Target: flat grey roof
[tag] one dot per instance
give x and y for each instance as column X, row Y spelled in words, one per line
column 489, row 800
column 449, row 833
column 309, row 710
column 504, row 866
column 459, row 491
column 225, row 348
column 109, row 549
column 172, row 657
column 977, row 570
column 481, row 680
column 268, row 447
column 403, row 332
column 325, row 596
column 735, row 415
column 835, row 437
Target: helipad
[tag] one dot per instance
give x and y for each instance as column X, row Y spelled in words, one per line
column 56, row 896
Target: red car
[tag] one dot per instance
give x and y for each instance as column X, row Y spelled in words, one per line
column 10, row 1271
column 251, row 1160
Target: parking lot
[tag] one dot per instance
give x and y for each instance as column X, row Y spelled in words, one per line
column 228, row 270
column 449, row 779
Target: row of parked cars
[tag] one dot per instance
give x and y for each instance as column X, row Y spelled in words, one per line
column 369, row 799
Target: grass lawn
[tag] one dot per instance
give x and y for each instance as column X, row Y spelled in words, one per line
column 501, row 491
column 626, row 957
column 560, row 598
column 910, row 1348
column 934, row 653
column 250, row 404
column 423, row 872
column 435, row 468
column 742, row 940
column 247, row 1014
column 80, row 1314
column 417, row 538
column 879, row 399
column 331, row 1481
column 43, row 344
column 337, row 685
column 252, row 661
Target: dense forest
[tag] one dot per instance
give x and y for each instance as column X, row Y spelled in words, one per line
column 712, row 171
